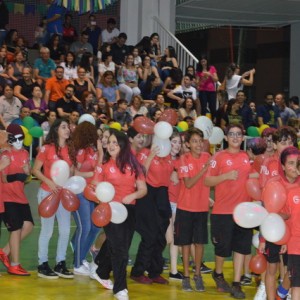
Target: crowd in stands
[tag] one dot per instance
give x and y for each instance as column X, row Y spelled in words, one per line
column 95, row 72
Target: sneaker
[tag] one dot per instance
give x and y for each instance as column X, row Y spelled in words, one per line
column 4, row 258
column 122, row 295
column 160, row 280
column 205, row 269
column 44, row 271
column 199, row 286
column 93, row 268
column 237, row 293
column 222, row 284
column 82, row 270
column 61, row 270
column 177, row 276
column 142, row 279
column 106, row 283
column 17, row 270
column 261, row 292
column 245, row 280
column 186, row 284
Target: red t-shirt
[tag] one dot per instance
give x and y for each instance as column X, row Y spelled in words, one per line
column 195, row 199
column 268, row 169
column 229, row 193
column 1, row 200
column 47, row 155
column 160, row 169
column 174, row 189
column 88, row 159
column 124, row 184
column 14, row 191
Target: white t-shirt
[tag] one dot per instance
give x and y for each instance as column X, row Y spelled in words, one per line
column 70, row 73
column 233, row 86
column 103, row 68
column 107, row 37
column 186, row 92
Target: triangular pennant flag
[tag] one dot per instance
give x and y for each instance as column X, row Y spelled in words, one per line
column 10, row 6
column 19, row 8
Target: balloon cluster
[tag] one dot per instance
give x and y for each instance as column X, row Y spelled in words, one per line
column 108, row 210
column 30, row 130
column 70, row 186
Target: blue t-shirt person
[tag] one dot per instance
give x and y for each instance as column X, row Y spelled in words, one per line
column 55, row 26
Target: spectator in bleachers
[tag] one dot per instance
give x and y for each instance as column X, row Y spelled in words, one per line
column 11, row 40
column 83, row 83
column 55, row 88
column 105, row 48
column 4, row 20
column 108, row 88
column 106, row 65
column 73, row 119
column 37, row 105
column 137, row 107
column 232, row 115
column 54, row 18
column 51, row 117
column 145, row 70
column 57, row 52
column 191, row 70
column 188, row 109
column 207, row 77
column 81, row 46
column 168, row 62
column 24, row 87
column 86, row 63
column 121, row 114
column 67, row 104
column 137, row 61
column 245, row 110
column 69, row 31
column 151, row 87
column 268, row 113
column 40, row 35
column 94, row 33
column 87, row 102
column 44, row 67
column 3, row 63
column 171, row 82
column 294, row 105
column 69, row 66
column 25, row 112
column 285, row 112
column 128, row 79
column 155, row 50
column 15, row 68
column 119, row 49
column 104, row 111
column 22, row 46
column 110, row 34
column 159, row 104
column 10, row 106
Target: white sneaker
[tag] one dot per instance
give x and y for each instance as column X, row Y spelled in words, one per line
column 122, row 295
column 82, row 270
column 86, row 264
column 289, row 297
column 106, row 283
column 261, row 292
column 93, row 268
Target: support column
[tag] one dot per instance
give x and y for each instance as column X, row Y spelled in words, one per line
column 294, row 60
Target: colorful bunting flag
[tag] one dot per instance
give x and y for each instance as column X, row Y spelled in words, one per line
column 19, row 8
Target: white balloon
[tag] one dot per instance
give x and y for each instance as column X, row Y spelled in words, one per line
column 163, row 130
column 87, row 118
column 273, row 228
column 119, row 212
column 205, row 125
column 249, row 214
column 60, row 172
column 217, row 136
column 75, row 184
column 255, row 240
column 164, row 146
column 105, row 191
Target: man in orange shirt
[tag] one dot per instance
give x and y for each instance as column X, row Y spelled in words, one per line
column 55, row 88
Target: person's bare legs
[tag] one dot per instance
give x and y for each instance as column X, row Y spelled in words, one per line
column 198, row 258
column 238, row 262
column 270, row 280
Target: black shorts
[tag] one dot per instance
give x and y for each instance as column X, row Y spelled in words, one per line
column 15, row 215
column 294, row 269
column 227, row 236
column 190, row 228
column 272, row 252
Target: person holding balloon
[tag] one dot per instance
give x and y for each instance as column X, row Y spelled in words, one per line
column 57, row 146
column 120, row 168
column 89, row 154
column 17, row 214
column 230, row 167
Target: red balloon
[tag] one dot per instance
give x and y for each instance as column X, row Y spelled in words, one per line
column 49, row 205
column 69, row 200
column 258, row 162
column 170, row 116
column 143, row 125
column 253, row 188
column 274, row 196
column 90, row 194
column 285, row 238
column 101, row 215
column 258, row 264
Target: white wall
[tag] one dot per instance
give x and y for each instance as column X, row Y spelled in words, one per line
column 294, row 60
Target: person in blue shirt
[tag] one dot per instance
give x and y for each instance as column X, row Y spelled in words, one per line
column 54, row 18
column 245, row 111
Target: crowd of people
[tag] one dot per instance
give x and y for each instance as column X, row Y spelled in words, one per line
column 167, row 198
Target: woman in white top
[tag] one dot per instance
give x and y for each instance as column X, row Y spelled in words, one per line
column 106, row 65
column 188, row 109
column 69, row 66
column 234, row 82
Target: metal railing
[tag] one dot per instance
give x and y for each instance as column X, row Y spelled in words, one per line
column 167, row 38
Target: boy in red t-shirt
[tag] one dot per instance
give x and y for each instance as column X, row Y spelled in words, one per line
column 228, row 173
column 17, row 216
column 192, row 207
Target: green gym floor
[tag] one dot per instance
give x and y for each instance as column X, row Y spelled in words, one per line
column 81, row 287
